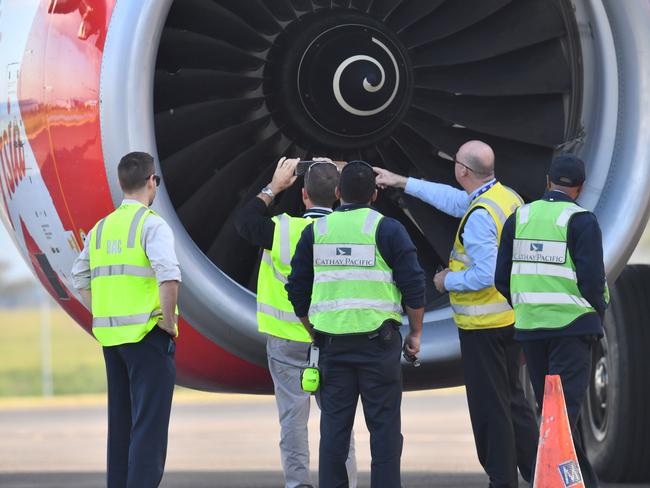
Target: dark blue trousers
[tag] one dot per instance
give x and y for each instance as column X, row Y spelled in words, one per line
column 140, row 380
column 504, row 425
column 569, row 357
column 366, row 366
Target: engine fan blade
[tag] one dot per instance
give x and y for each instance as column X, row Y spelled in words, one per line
column 255, row 13
column 182, row 49
column 530, row 119
column 206, row 211
column 177, row 128
column 519, row 25
column 511, row 156
column 187, row 87
column 282, row 10
column 412, row 12
column 211, row 19
column 383, row 8
column 450, row 18
column 539, row 69
column 188, row 169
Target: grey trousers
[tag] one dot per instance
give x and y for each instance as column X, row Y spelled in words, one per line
column 286, row 361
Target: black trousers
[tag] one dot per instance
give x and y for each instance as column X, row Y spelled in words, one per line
column 569, row 357
column 140, row 386
column 504, row 425
column 366, row 366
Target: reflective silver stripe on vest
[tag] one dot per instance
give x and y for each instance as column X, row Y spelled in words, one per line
column 463, row 258
column 543, row 269
column 524, row 214
column 493, row 205
column 372, row 217
column 123, row 320
column 478, row 310
column 355, row 303
column 134, row 226
column 122, row 270
column 277, row 313
column 549, row 299
column 354, row 275
column 321, row 226
column 566, row 215
column 98, row 234
column 285, row 241
column 266, row 257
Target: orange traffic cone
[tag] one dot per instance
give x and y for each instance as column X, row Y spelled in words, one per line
column 557, row 464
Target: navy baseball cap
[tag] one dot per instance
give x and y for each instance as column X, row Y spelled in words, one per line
column 567, row 170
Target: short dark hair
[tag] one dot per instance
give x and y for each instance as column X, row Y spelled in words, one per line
column 357, row 183
column 321, row 181
column 134, row 169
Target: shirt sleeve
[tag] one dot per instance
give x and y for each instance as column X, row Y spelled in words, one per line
column 254, row 223
column 301, row 279
column 585, row 243
column 480, row 241
column 81, row 268
column 399, row 252
column 504, row 259
column 158, row 243
column 445, row 198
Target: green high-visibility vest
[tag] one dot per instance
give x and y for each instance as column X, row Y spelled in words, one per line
column 543, row 282
column 125, row 296
column 353, row 291
column 275, row 315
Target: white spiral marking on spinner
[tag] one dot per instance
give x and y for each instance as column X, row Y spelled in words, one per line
column 369, row 87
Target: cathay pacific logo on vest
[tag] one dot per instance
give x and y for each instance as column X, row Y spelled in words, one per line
column 359, row 255
column 552, row 252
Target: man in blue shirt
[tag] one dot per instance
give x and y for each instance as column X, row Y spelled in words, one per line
column 505, row 430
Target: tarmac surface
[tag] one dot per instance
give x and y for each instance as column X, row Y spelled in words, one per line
column 228, row 441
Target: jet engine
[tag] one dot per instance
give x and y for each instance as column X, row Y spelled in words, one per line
column 218, row 90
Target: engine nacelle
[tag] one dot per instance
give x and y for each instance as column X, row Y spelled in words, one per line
column 217, row 90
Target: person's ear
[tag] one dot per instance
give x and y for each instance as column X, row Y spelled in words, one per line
column 337, row 192
column 579, row 190
column 305, row 196
column 548, row 182
column 375, row 194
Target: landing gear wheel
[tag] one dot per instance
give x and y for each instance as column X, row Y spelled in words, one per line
column 615, row 421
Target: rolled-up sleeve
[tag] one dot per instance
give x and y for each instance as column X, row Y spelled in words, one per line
column 81, row 268
column 158, row 244
column 445, row 198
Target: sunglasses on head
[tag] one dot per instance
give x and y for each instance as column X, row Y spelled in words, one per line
column 155, row 177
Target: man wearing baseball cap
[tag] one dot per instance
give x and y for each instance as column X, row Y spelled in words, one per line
column 550, row 268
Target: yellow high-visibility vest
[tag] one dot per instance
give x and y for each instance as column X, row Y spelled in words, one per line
column 487, row 308
column 125, row 295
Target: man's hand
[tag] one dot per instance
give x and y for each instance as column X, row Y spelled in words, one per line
column 412, row 343
column 309, row 327
column 387, row 179
column 284, row 176
column 439, row 280
column 170, row 328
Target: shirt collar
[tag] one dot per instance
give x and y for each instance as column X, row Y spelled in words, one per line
column 557, row 195
column 482, row 189
column 317, row 212
column 130, row 201
column 351, row 206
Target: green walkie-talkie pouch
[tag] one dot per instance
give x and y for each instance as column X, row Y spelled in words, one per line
column 310, row 376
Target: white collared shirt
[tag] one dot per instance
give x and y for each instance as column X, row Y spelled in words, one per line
column 158, row 242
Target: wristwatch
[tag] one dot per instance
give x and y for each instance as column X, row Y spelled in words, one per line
column 268, row 192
